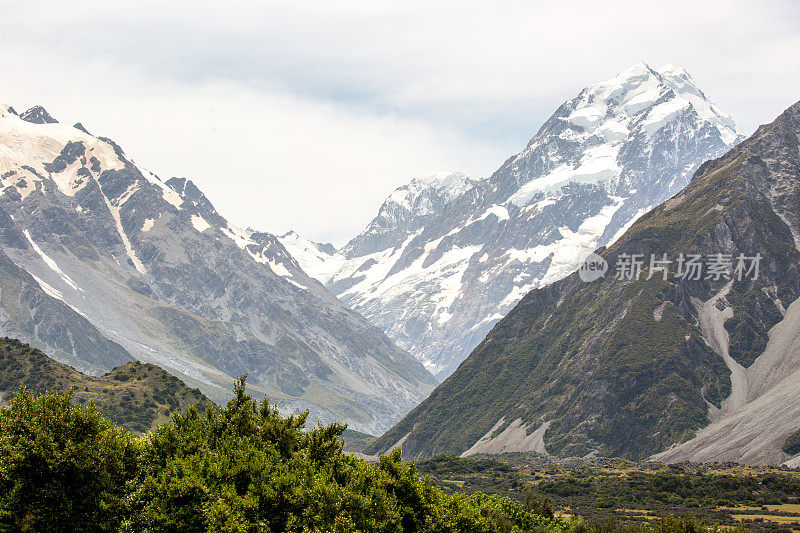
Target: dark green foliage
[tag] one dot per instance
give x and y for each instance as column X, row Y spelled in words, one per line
column 247, row 468
column 242, row 468
column 63, row 467
column 667, row 524
column 450, row 464
column 792, row 444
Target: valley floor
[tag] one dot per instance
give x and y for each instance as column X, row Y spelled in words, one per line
column 617, row 493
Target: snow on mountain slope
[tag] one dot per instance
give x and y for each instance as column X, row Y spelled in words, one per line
column 701, row 366
column 408, row 210
column 320, row 261
column 437, row 282
column 166, row 279
column 402, row 215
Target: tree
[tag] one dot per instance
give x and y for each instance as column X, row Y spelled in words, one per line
column 247, row 468
column 63, row 467
column 241, row 468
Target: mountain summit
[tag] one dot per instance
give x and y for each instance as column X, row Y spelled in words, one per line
column 103, row 262
column 689, row 345
column 436, row 270
column 38, row 115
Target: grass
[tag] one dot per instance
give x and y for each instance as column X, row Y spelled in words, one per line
column 762, row 498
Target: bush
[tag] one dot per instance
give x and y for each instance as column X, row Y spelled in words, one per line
column 240, row 468
column 792, row 444
column 63, row 467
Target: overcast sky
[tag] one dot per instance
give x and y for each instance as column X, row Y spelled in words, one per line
column 306, row 115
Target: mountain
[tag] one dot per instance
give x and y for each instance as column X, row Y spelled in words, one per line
column 102, row 262
column 446, row 258
column 135, row 396
column 32, row 309
column 355, row 442
column 699, row 365
column 36, row 115
column 402, row 215
column 407, row 211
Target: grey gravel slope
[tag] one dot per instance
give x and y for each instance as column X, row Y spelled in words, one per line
column 159, row 272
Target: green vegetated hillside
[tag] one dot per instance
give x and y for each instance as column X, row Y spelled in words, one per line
column 355, row 441
column 620, row 367
column 136, row 396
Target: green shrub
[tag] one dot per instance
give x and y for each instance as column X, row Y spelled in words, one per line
column 792, row 444
column 63, row 467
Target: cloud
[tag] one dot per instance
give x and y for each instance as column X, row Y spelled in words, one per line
column 318, row 109
column 266, row 159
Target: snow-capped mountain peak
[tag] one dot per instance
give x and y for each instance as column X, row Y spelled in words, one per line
column 323, row 247
column 437, row 268
column 90, row 239
column 629, row 108
column 449, row 182
column 38, row 115
column 627, row 83
column 320, row 261
column 641, row 87
column 408, row 209
column 422, row 195
column 6, row 109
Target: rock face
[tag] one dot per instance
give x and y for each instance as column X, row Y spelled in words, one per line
column 103, row 262
column 447, row 257
column 698, row 367
column 36, row 115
